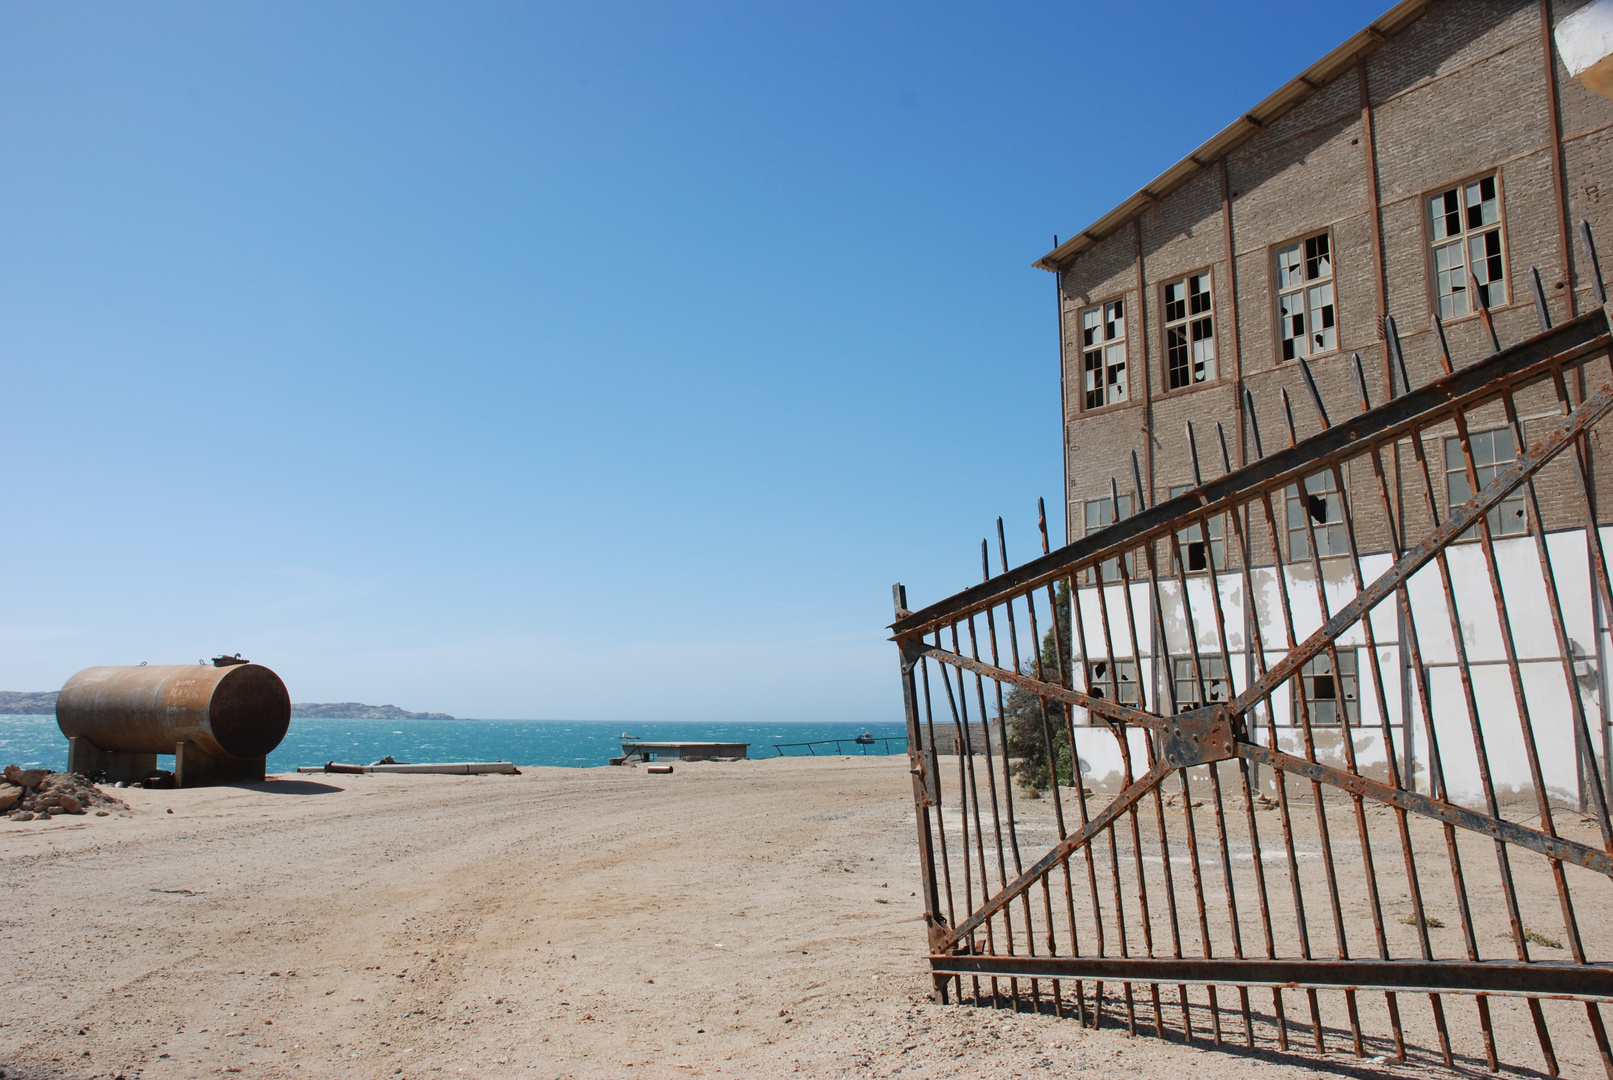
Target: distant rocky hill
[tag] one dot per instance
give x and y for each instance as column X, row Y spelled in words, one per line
column 353, row 710
column 23, row 703
column 43, row 703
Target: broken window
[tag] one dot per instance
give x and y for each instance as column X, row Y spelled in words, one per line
column 1103, row 353
column 1492, row 452
column 1467, row 240
column 1099, row 515
column 1199, row 552
column 1214, row 673
column 1189, row 331
column 1319, row 511
column 1330, row 695
column 1305, row 297
column 1115, row 681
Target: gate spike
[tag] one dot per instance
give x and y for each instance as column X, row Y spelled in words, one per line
column 1396, row 353
column 1541, row 311
column 1137, row 482
column 1596, row 267
column 1254, row 424
column 1483, row 296
column 985, row 561
column 1002, row 544
column 1226, row 458
column 1444, row 346
column 1316, row 395
column 1361, row 383
column 1193, row 453
column 1288, row 417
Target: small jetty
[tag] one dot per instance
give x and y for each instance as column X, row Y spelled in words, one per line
column 639, row 750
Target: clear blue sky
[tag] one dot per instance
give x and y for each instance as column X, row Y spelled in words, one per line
column 537, row 361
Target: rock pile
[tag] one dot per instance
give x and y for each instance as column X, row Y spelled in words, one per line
column 38, row 794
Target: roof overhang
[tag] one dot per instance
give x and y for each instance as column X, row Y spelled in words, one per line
column 1290, row 94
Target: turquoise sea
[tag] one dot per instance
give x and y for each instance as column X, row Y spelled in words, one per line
column 36, row 741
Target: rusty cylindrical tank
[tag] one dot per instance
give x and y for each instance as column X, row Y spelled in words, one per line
column 239, row 711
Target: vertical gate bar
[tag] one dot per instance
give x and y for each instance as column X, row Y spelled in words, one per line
column 1215, row 769
column 1323, row 836
column 1008, row 782
column 1191, row 623
column 1470, row 700
column 996, row 812
column 1121, row 739
column 933, row 782
column 1069, row 727
column 1157, row 616
column 1081, row 796
column 1381, row 700
column 1013, row 646
column 1521, row 704
column 1141, row 504
column 1066, row 680
column 960, row 722
column 1078, row 625
column 921, row 798
column 1412, row 648
column 1601, row 590
column 1536, row 527
column 1255, row 647
column 1348, row 742
column 1281, row 777
column 1053, row 769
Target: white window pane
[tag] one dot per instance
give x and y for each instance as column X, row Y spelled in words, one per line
column 1290, row 266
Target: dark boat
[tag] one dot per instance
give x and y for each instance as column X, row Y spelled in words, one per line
column 866, row 738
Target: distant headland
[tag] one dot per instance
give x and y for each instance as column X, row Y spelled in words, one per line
column 43, row 703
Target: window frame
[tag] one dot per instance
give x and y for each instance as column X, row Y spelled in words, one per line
column 1278, row 292
column 1351, row 704
column 1083, row 349
column 1182, row 675
column 1113, row 680
column 1516, row 501
column 1217, row 561
column 1291, row 497
column 1430, row 244
column 1185, row 323
column 1109, row 568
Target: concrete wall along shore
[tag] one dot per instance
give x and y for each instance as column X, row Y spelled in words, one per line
column 1434, row 97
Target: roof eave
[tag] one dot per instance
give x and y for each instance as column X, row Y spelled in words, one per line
column 1286, row 97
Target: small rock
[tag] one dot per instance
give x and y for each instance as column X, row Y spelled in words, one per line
column 9, row 794
column 25, row 777
column 71, row 805
column 103, row 813
column 21, row 815
column 50, row 811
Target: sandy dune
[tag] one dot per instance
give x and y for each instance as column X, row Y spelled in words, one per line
column 745, row 919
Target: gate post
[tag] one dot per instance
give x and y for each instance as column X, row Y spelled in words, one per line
column 919, row 770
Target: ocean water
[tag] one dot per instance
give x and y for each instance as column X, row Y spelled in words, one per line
column 36, row 741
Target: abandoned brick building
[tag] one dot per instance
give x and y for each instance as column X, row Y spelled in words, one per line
column 1443, row 148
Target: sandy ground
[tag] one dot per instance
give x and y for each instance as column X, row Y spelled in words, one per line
column 743, row 919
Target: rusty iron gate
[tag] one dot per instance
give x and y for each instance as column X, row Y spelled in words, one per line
column 1319, row 738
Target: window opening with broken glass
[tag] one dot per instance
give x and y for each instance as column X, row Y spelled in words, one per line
column 1305, row 297
column 1492, row 452
column 1103, row 353
column 1189, row 331
column 1199, row 552
column 1212, row 669
column 1320, row 511
column 1466, row 224
column 1326, row 693
column 1099, row 515
column 1114, row 681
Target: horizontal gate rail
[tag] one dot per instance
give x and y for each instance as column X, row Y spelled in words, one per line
column 1547, row 980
